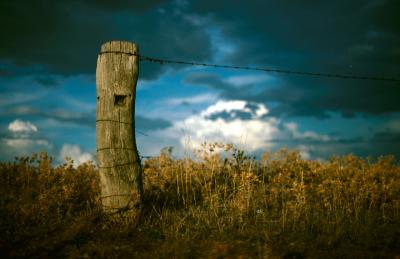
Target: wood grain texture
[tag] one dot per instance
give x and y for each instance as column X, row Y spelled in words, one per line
column 117, row 155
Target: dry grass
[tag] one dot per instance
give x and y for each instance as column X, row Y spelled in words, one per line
column 219, row 204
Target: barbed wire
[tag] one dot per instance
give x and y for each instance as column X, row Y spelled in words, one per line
column 273, row 70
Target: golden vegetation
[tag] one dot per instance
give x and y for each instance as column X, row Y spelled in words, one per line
column 218, row 203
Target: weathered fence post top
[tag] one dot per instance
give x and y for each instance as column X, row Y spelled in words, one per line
column 119, row 46
column 118, row 159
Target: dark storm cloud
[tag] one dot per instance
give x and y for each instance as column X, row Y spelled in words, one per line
column 314, row 97
column 124, row 5
column 374, row 146
column 289, row 34
column 64, row 37
column 207, row 79
column 386, row 137
column 345, row 37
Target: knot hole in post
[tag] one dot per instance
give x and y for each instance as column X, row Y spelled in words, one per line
column 119, row 100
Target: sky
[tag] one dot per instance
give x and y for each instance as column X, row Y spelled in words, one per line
column 48, row 55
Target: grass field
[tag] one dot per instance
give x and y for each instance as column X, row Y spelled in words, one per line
column 218, row 204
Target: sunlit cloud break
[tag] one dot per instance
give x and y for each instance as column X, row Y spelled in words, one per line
column 19, row 126
column 252, row 134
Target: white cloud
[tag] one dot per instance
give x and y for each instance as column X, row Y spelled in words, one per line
column 19, row 126
column 251, row 135
column 229, row 106
column 261, row 111
column 75, row 153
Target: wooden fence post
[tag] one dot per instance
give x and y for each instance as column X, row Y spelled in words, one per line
column 117, row 155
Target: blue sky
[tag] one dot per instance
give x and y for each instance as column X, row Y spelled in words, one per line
column 48, row 58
